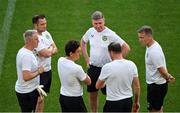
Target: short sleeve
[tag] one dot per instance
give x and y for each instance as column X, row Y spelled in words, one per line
column 105, row 72
column 81, row 74
column 157, row 59
column 118, row 39
column 26, row 63
column 49, row 37
column 134, row 70
column 86, row 36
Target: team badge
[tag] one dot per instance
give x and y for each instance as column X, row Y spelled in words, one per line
column 47, row 36
column 104, row 38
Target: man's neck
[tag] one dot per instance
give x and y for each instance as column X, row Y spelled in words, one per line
column 28, row 47
column 70, row 58
column 39, row 33
column 117, row 57
column 151, row 42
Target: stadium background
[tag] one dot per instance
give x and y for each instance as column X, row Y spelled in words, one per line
column 69, row 19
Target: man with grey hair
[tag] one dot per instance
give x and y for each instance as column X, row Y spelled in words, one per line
column 99, row 37
column 157, row 75
column 28, row 73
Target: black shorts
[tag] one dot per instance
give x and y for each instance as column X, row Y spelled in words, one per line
column 72, row 104
column 155, row 95
column 27, row 101
column 45, row 79
column 124, row 105
column 94, row 73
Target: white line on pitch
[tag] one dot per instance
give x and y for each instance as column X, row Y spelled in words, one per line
column 4, row 33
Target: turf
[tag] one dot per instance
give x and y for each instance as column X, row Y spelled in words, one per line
column 69, row 19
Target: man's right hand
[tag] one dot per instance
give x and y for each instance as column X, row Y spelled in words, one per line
column 135, row 107
column 40, row 69
column 171, row 79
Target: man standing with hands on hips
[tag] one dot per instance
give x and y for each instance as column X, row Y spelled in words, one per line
column 99, row 37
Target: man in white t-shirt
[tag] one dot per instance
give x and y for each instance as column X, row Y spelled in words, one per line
column 28, row 73
column 72, row 76
column 157, row 75
column 99, row 37
column 46, row 48
column 119, row 76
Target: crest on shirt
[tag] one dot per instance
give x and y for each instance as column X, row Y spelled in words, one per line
column 104, row 38
column 47, row 36
column 92, row 35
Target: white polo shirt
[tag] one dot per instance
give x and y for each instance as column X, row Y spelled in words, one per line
column 99, row 42
column 71, row 75
column 154, row 58
column 118, row 76
column 45, row 41
column 25, row 60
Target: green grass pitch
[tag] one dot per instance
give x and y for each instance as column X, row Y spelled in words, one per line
column 69, row 19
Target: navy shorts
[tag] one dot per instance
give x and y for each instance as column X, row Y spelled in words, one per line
column 45, row 79
column 72, row 104
column 27, row 101
column 155, row 95
column 124, row 105
column 94, row 73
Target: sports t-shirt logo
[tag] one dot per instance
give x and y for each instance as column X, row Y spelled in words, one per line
column 104, row 38
column 47, row 36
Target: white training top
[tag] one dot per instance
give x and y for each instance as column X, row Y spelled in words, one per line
column 45, row 41
column 118, row 76
column 25, row 60
column 99, row 42
column 154, row 58
column 71, row 75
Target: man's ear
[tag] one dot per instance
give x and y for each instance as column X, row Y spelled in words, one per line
column 110, row 52
column 35, row 25
column 70, row 54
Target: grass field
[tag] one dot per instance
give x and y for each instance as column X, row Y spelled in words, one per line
column 69, row 19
